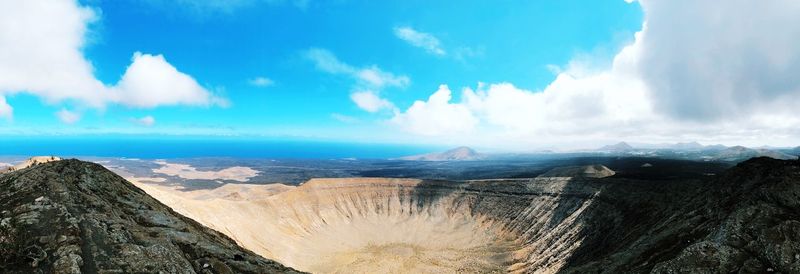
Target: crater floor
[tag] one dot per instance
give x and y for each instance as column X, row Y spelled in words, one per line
column 391, row 225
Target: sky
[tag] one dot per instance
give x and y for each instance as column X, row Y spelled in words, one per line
column 505, row 75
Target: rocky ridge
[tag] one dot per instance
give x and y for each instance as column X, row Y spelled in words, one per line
column 71, row 216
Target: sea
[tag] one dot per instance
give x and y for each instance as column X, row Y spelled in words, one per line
column 193, row 147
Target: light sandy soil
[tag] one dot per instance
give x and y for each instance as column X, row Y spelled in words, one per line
column 27, row 163
column 237, row 173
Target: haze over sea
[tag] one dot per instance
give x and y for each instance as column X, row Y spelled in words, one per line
column 169, row 147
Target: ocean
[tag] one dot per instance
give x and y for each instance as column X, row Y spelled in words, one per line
column 173, row 147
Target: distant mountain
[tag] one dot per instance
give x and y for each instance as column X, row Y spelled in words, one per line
column 687, row 146
column 456, row 154
column 684, row 146
column 71, row 216
column 618, row 147
column 738, row 153
column 716, row 147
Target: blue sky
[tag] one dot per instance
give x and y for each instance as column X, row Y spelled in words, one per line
column 224, row 49
column 353, row 70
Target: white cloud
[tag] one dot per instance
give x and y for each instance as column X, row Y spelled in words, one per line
column 261, row 82
column 5, row 109
column 369, row 101
column 437, row 116
column 719, row 59
column 41, row 46
column 40, row 51
column 150, row 81
column 420, row 39
column 68, row 117
column 146, row 121
column 702, row 74
column 203, row 7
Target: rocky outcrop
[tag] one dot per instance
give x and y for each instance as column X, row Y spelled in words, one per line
column 76, row 217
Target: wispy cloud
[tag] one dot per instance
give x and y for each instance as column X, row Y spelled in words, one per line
column 206, row 7
column 261, row 82
column 369, row 80
column 368, row 76
column 68, row 117
column 370, row 101
column 420, row 39
column 146, row 121
column 344, row 118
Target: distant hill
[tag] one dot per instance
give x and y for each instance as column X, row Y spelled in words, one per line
column 457, row 154
column 618, row 147
column 681, row 146
column 738, row 153
column 590, row 171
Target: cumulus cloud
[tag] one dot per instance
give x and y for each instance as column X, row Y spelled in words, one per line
column 718, row 60
column 5, row 109
column 146, row 121
column 369, row 80
column 150, row 81
column 41, row 53
column 437, row 116
column 261, row 82
column 419, row 39
column 68, row 117
column 718, row 72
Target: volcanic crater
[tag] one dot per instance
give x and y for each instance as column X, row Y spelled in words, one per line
column 562, row 224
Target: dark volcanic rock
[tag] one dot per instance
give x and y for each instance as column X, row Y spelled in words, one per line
column 77, row 217
column 744, row 221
